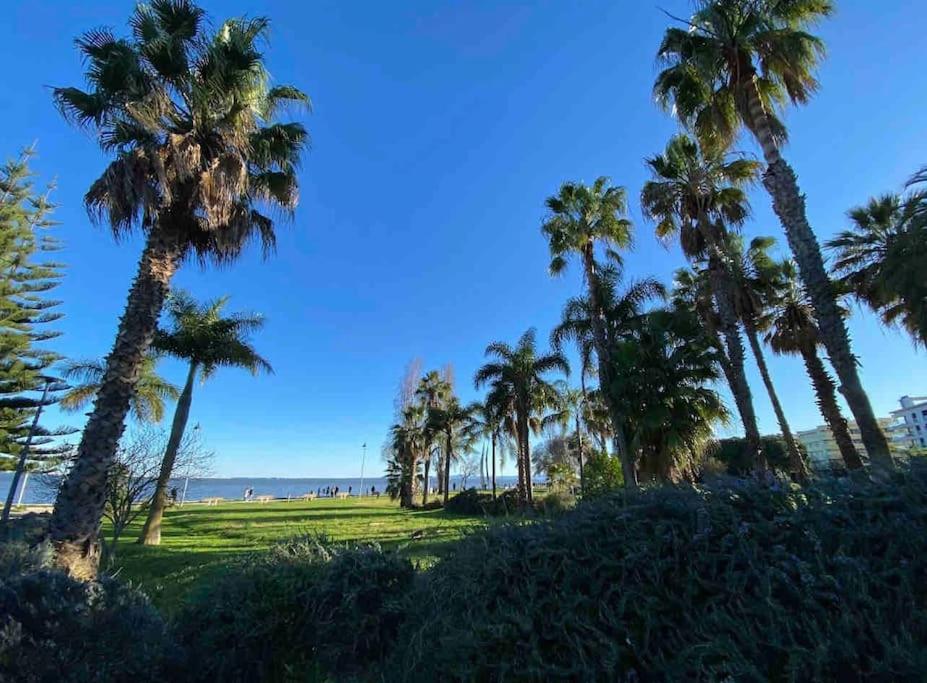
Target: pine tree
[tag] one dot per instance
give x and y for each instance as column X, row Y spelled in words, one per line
column 27, row 275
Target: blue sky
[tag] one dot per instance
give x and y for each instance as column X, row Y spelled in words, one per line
column 439, row 129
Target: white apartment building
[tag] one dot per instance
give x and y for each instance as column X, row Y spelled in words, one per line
column 822, row 449
column 910, row 428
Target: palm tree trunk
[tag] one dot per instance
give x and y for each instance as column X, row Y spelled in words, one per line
column 789, row 204
column 151, row 531
column 720, row 284
column 529, row 486
column 447, row 468
column 579, row 440
column 426, row 486
column 520, row 457
column 75, row 523
column 603, row 356
column 827, row 402
column 493, row 439
column 407, row 486
column 796, row 463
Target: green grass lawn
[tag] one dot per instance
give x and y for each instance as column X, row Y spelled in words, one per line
column 198, row 541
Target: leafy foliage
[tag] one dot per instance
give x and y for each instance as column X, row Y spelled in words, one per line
column 603, row 475
column 746, row 582
column 53, row 627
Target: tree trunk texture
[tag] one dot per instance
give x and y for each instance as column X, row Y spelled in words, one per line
column 827, row 401
column 720, row 283
column 789, row 205
column 426, row 486
column 447, row 468
column 493, row 438
column 579, row 440
column 797, row 465
column 151, row 531
column 75, row 523
column 603, row 355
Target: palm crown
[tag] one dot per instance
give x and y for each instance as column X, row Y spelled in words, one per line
column 733, row 50
column 190, row 120
column 202, row 335
column 582, row 215
column 693, row 190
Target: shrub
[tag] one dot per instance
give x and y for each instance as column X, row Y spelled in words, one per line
column 291, row 614
column 555, row 503
column 469, row 502
column 253, row 622
column 745, row 583
column 602, row 475
column 358, row 606
column 54, row 628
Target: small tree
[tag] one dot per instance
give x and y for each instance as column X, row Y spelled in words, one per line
column 468, row 466
column 603, row 475
column 133, row 478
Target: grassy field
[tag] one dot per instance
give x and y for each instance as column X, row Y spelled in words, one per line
column 198, row 541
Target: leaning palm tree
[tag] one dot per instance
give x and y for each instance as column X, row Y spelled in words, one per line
column 582, row 217
column 795, row 331
column 199, row 165
column 698, row 195
column 207, row 340
column 519, row 379
column 757, row 279
column 147, row 403
column 735, row 64
column 880, row 260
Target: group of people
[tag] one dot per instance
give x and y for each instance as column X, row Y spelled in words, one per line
column 332, row 491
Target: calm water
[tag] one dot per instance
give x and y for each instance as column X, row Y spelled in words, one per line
column 40, row 489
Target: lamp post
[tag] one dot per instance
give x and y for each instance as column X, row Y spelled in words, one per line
column 363, row 462
column 24, row 454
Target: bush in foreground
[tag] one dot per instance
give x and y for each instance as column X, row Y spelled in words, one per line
column 747, row 584
column 54, row 628
column 301, row 611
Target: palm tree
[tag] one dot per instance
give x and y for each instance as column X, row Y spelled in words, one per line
column 697, row 195
column 735, row 64
column 573, row 405
column 582, row 217
column 208, row 341
column 199, row 165
column 518, row 378
column 455, row 422
column 489, row 422
column 405, row 446
column 621, row 311
column 757, row 279
column 433, row 390
column 147, row 403
column 795, row 331
column 665, row 372
column 880, row 259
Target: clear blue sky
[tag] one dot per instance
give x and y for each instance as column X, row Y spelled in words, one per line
column 439, row 128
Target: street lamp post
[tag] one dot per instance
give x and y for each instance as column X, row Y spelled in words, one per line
column 363, row 462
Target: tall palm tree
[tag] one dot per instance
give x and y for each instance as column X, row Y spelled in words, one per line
column 757, row 279
column 433, row 390
column 795, row 331
column 573, row 406
column 735, row 64
column 698, row 195
column 580, row 218
column 519, row 375
column 199, row 165
column 881, row 258
column 147, row 403
column 489, row 422
column 405, row 444
column 207, row 340
column 455, row 422
column 621, row 310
